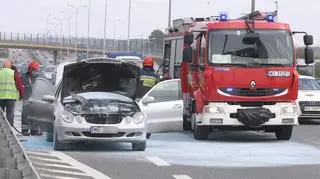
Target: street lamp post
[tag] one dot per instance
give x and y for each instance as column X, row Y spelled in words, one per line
column 129, row 21
column 253, row 5
column 61, row 34
column 88, row 44
column 48, row 23
column 69, row 34
column 105, row 28
column 169, row 16
column 76, row 36
column 277, row 8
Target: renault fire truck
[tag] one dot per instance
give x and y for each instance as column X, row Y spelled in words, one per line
column 236, row 73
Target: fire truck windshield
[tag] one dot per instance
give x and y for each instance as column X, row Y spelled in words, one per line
column 268, row 48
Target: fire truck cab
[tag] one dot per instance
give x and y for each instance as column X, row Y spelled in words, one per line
column 236, row 74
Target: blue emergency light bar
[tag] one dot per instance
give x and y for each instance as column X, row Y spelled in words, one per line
column 223, row 16
column 270, row 18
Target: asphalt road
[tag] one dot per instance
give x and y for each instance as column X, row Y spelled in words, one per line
column 242, row 155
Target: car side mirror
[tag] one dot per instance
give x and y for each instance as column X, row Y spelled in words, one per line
column 308, row 40
column 148, row 99
column 308, row 55
column 187, row 54
column 188, row 39
column 48, row 98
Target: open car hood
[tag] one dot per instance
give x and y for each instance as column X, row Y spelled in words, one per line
column 100, row 75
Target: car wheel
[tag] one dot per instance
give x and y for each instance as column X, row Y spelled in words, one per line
column 186, row 123
column 284, row 132
column 201, row 132
column 57, row 145
column 139, row 146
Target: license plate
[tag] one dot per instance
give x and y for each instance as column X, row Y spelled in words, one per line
column 103, row 130
column 312, row 108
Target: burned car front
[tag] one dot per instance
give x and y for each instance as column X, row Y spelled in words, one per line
column 97, row 104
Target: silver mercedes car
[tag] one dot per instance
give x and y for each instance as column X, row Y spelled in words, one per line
column 94, row 101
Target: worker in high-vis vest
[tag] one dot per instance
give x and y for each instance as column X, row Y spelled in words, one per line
column 9, row 90
column 148, row 77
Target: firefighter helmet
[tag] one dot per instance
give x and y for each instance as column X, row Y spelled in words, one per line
column 33, row 66
column 148, row 62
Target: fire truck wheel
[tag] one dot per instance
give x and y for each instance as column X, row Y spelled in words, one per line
column 284, row 132
column 201, row 132
column 186, row 124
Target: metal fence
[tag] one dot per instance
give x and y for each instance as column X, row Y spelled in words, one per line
column 145, row 46
column 14, row 163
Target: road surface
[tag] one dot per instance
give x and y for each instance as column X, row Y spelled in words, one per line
column 179, row 155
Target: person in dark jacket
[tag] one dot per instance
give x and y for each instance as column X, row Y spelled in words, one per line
column 148, row 77
column 28, row 80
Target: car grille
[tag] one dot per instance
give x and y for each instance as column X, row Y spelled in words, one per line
column 302, row 104
column 88, row 134
column 253, row 92
column 103, row 118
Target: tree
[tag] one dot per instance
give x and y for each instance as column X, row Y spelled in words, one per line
column 156, row 35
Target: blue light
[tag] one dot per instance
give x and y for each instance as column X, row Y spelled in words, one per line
column 229, row 89
column 270, row 18
column 223, row 16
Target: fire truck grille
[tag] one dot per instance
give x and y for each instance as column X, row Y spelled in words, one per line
column 252, row 92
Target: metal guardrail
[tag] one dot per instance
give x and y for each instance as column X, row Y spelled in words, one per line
column 145, row 46
column 14, row 163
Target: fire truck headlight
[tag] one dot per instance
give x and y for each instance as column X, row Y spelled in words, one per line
column 211, row 109
column 288, row 109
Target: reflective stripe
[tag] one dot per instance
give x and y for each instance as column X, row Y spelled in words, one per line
column 8, row 89
column 148, row 81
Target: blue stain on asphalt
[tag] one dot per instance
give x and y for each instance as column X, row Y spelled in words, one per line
column 36, row 142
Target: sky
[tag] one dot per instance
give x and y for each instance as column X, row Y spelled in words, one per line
column 30, row 16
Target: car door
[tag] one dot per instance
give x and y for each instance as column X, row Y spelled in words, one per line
column 42, row 111
column 164, row 114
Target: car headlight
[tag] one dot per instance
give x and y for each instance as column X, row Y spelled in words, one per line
column 288, row 109
column 127, row 119
column 138, row 118
column 211, row 109
column 79, row 119
column 67, row 117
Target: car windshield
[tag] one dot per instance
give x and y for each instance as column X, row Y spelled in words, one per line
column 308, row 84
column 271, row 47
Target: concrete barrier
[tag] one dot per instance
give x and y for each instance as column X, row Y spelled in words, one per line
column 14, row 163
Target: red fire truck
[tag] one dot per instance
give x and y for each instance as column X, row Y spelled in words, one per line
column 236, row 73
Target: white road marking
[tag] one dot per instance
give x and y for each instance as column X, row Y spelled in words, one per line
column 158, row 161
column 44, row 170
column 56, row 177
column 43, row 159
column 181, row 177
column 76, row 164
column 52, row 165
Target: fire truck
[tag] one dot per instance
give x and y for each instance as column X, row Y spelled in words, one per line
column 236, row 74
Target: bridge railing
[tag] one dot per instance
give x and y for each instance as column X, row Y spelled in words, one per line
column 145, row 46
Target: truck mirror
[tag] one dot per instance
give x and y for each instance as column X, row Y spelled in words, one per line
column 188, row 39
column 308, row 40
column 308, row 55
column 187, row 54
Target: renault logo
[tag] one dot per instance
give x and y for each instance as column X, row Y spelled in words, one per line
column 253, row 84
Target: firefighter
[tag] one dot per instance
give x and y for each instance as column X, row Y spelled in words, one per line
column 10, row 90
column 28, row 80
column 148, row 77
